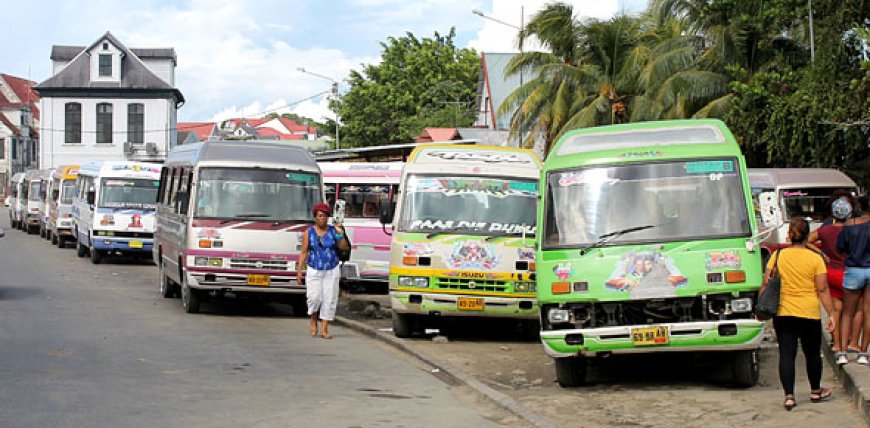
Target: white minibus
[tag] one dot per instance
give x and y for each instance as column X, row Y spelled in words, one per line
column 365, row 187
column 60, row 202
column 113, row 208
column 16, row 203
column 33, row 202
column 230, row 219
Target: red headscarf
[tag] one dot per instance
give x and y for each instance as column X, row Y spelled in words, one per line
column 321, row 207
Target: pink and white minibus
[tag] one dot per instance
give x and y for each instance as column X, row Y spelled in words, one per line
column 364, row 187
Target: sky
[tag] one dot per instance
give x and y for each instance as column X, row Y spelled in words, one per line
column 241, row 58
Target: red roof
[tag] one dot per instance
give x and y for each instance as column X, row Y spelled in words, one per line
column 438, row 134
column 257, row 122
column 203, row 130
column 23, row 89
column 295, row 137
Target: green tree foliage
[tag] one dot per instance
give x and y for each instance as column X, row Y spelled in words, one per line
column 419, row 83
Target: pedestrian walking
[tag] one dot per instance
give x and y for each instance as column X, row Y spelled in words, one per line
column 825, row 237
column 319, row 259
column 804, row 285
column 854, row 242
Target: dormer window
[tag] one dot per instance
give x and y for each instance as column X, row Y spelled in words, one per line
column 105, row 65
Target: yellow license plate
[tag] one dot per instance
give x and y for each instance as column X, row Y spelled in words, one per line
column 470, row 303
column 646, row 336
column 258, row 279
column 136, row 244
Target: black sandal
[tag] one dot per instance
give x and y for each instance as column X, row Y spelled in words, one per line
column 821, row 394
column 789, row 402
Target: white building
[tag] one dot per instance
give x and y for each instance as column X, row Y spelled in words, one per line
column 19, row 121
column 108, row 102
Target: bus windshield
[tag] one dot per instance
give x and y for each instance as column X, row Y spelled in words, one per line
column 67, row 192
column 807, row 202
column 257, row 194
column 35, row 192
column 663, row 202
column 471, row 205
column 131, row 193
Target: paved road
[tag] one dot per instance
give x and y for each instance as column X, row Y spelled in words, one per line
column 85, row 345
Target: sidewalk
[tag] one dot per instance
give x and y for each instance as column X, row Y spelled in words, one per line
column 856, row 380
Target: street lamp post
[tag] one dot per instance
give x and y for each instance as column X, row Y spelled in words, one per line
column 519, row 29
column 334, row 92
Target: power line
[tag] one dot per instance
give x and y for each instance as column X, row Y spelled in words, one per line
column 189, row 127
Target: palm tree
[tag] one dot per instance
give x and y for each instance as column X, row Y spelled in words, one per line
column 585, row 79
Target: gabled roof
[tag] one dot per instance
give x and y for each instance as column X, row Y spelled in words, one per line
column 203, row 130
column 66, row 53
column 135, row 75
column 257, row 122
column 496, row 86
column 292, row 126
column 437, row 134
column 21, row 93
column 5, row 120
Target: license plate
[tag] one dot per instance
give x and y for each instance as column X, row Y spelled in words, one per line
column 258, row 279
column 470, row 303
column 645, row 336
column 136, row 244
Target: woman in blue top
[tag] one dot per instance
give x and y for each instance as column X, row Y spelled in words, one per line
column 319, row 259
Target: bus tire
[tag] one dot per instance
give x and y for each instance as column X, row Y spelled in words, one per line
column 81, row 250
column 744, row 368
column 403, row 325
column 96, row 256
column 190, row 299
column 571, row 371
column 166, row 285
column 55, row 240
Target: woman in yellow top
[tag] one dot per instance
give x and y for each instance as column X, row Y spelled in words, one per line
column 804, row 284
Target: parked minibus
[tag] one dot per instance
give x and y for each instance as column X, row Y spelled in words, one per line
column 463, row 242
column 34, row 200
column 365, row 187
column 230, row 220
column 802, row 192
column 648, row 244
column 16, row 201
column 60, row 203
column 45, row 190
column 113, row 208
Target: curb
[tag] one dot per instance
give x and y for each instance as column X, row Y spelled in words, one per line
column 498, row 398
column 856, row 380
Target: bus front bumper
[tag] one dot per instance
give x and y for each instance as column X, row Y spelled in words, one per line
column 724, row 335
column 239, row 282
column 126, row 245
column 442, row 304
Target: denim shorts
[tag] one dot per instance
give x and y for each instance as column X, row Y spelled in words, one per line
column 856, row 278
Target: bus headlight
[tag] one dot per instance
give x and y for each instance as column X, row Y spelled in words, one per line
column 406, row 281
column 558, row 316
column 200, row 261
column 741, row 305
column 421, row 281
column 525, row 287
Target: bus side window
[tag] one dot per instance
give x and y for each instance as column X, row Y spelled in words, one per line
column 161, row 191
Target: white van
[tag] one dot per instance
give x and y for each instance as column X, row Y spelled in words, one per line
column 16, row 204
column 364, row 187
column 801, row 192
column 61, row 192
column 33, row 202
column 113, row 208
column 44, row 201
column 230, row 219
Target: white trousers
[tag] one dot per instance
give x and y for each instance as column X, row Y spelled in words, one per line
column 321, row 291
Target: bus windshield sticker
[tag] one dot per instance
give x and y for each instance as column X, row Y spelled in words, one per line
column 650, row 274
column 304, row 178
column 472, row 255
column 464, row 186
column 592, row 176
column 706, row 167
column 474, row 226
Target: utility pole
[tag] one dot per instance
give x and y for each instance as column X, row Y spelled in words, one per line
column 334, row 91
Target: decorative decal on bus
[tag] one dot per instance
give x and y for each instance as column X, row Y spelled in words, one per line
column 722, row 259
column 472, row 255
column 484, row 156
column 645, row 271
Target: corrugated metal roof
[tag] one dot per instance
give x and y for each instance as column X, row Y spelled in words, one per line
column 66, row 53
column 499, row 86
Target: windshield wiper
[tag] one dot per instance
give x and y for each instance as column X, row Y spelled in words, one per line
column 243, row 216
column 431, row 235
column 520, row 233
column 607, row 237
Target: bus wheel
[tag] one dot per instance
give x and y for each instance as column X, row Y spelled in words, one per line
column 190, row 299
column 56, row 241
column 81, row 250
column 744, row 368
column 166, row 287
column 96, row 256
column 403, row 325
column 571, row 371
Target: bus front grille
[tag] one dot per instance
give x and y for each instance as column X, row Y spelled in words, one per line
column 258, row 264
column 471, row 284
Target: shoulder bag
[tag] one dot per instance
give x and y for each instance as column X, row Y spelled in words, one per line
column 768, row 300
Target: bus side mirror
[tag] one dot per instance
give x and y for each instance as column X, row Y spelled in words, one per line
column 91, row 196
column 771, row 215
column 54, row 194
column 386, row 214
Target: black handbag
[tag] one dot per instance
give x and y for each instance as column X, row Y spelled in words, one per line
column 343, row 255
column 768, row 300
